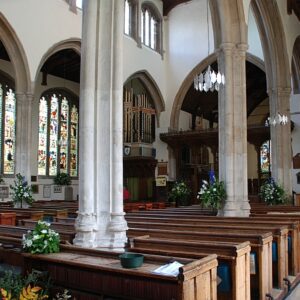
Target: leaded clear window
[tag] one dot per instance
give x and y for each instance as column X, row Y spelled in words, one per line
column 58, row 135
column 151, row 28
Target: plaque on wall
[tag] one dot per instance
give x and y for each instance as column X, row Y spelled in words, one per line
column 57, row 189
column 161, row 181
column 47, row 191
column 162, row 168
column 296, row 161
column 4, row 191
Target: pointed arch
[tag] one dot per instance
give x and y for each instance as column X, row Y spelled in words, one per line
column 296, row 66
column 174, row 119
column 74, row 44
column 153, row 90
column 17, row 56
column 273, row 41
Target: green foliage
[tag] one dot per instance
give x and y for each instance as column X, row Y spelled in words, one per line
column 272, row 193
column 13, row 284
column 62, row 179
column 212, row 193
column 41, row 240
column 180, row 193
column 21, row 191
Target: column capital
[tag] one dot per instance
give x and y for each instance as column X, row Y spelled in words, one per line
column 280, row 91
column 227, row 47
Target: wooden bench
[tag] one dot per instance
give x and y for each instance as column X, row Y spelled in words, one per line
column 91, row 274
column 233, row 259
column 280, row 235
column 22, row 213
column 261, row 245
column 17, row 232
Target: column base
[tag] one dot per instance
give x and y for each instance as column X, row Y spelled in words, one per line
column 235, row 209
column 85, row 230
column 113, row 237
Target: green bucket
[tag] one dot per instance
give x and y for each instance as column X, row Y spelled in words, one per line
column 131, row 260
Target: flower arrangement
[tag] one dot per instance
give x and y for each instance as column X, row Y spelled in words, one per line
column 21, row 191
column 41, row 239
column 62, row 179
column 272, row 193
column 179, row 193
column 212, row 193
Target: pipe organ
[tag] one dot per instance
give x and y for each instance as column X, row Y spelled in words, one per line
column 139, row 118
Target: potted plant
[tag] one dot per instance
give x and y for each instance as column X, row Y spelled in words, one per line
column 21, row 192
column 179, row 193
column 62, row 189
column 212, row 193
column 272, row 193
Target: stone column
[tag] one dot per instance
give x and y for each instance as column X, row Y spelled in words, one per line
column 233, row 129
column 117, row 226
column 23, row 134
column 86, row 221
column 101, row 221
column 281, row 149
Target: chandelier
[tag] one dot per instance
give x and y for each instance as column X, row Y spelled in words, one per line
column 279, row 119
column 208, row 80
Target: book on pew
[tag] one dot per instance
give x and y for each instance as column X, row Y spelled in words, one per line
column 171, row 269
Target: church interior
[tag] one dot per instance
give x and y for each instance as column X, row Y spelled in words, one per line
column 161, row 130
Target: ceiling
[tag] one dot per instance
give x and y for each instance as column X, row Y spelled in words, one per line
column 170, row 4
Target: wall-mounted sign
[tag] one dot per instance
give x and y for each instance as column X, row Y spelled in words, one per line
column 4, row 191
column 127, row 150
column 161, row 181
column 47, row 191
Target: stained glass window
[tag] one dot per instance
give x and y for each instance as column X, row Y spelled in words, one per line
column 9, row 126
column 58, row 135
column 265, row 157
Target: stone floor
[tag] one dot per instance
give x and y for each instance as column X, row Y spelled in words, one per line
column 295, row 294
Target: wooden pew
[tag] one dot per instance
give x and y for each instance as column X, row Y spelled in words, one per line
column 280, row 234
column 261, row 244
column 17, row 232
column 231, row 256
column 91, row 274
column 22, row 213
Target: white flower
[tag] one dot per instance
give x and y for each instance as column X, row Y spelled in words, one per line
column 44, row 231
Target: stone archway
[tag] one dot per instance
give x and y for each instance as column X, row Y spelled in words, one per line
column 277, row 66
column 153, row 90
column 74, row 44
column 296, row 66
column 185, row 86
column 24, row 95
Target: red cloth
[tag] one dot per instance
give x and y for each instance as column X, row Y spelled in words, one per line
column 126, row 194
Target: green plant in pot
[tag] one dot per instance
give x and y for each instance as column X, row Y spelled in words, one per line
column 179, row 193
column 62, row 179
column 21, row 191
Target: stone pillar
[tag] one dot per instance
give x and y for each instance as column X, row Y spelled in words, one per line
column 23, row 134
column 86, row 221
column 101, row 221
column 281, row 149
column 233, row 130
